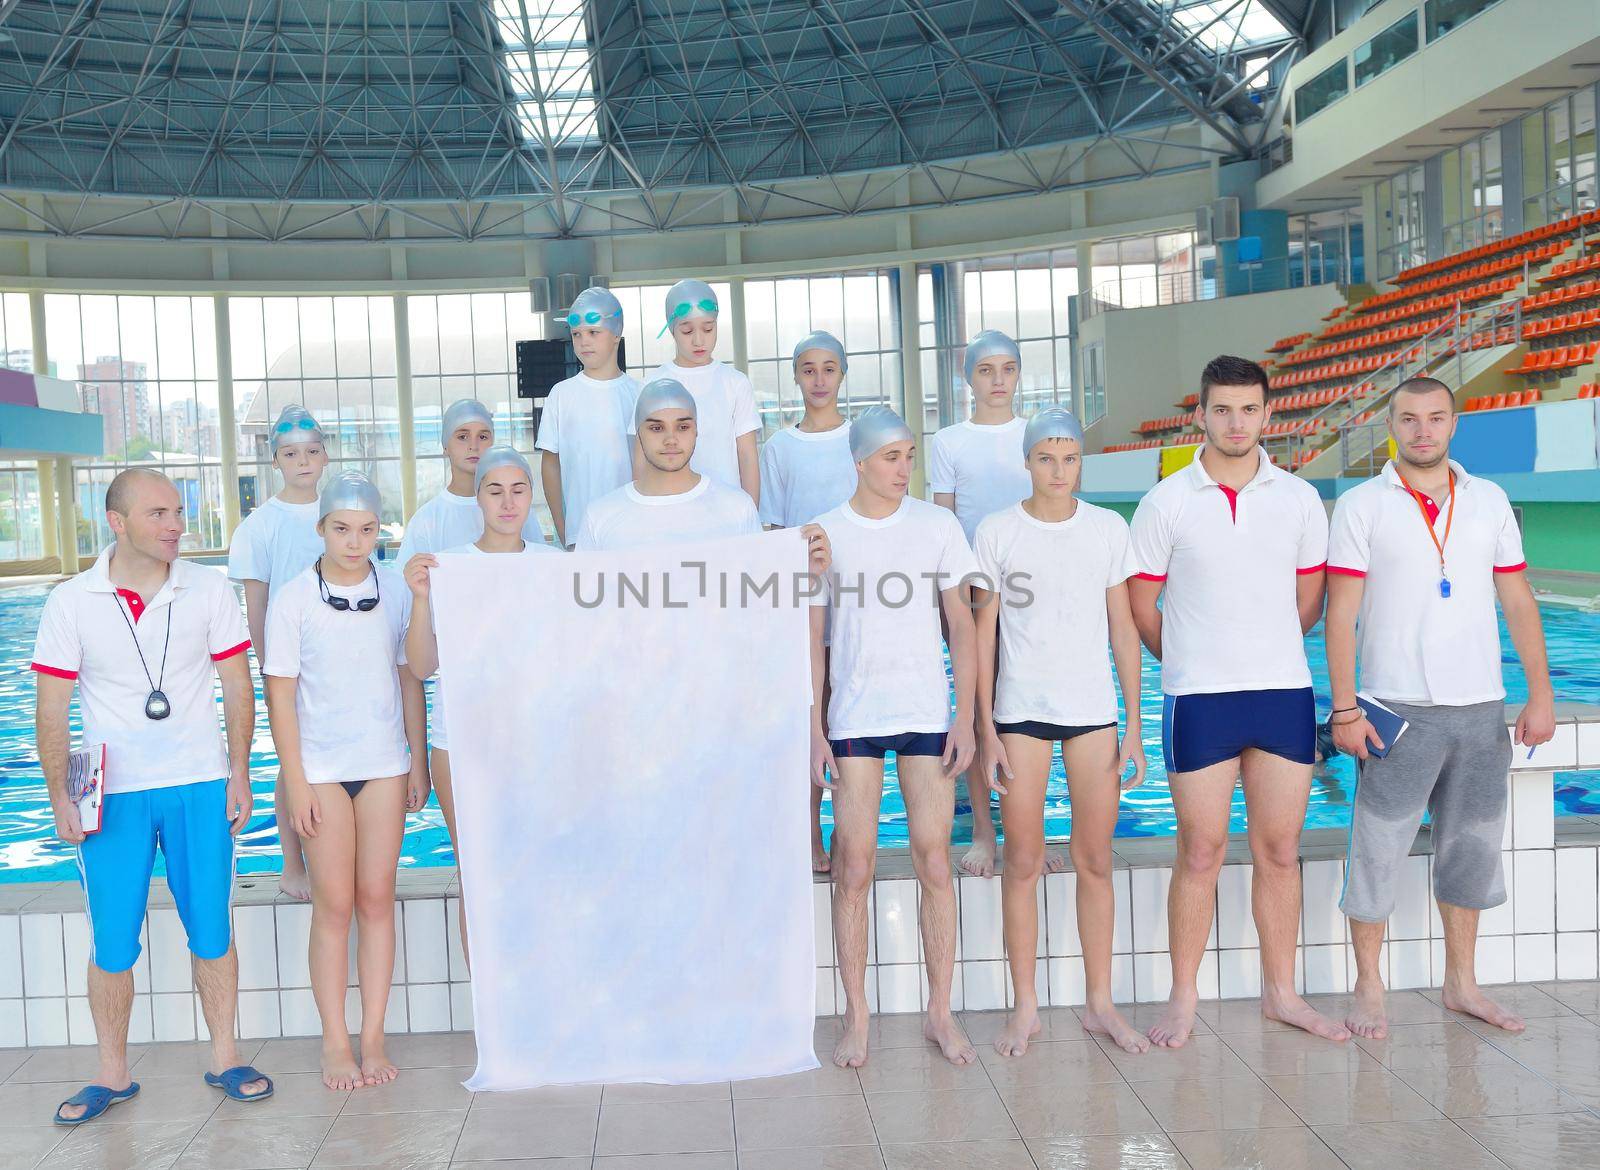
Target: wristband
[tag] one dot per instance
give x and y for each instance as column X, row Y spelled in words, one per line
column 1345, row 722
column 1342, row 710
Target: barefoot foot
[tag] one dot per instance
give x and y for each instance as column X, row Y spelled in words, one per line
column 820, row 861
column 376, row 1067
column 952, row 1041
column 1055, row 861
column 294, row 883
column 1288, row 1008
column 851, row 1051
column 1021, row 1024
column 1176, row 1023
column 339, row 1067
column 979, row 859
column 1108, row 1021
column 1471, row 1001
column 1368, row 1015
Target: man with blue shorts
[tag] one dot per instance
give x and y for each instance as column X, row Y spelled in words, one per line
column 141, row 635
column 1239, row 547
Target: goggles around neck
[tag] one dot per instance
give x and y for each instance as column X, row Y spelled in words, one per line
column 684, row 308
column 343, row 605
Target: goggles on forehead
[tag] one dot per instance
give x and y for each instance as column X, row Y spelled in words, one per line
column 684, row 308
column 592, row 317
column 304, row 424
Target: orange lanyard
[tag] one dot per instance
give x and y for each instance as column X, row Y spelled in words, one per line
column 1450, row 517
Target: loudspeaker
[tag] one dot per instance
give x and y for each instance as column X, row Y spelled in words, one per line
column 539, row 294
column 1224, row 219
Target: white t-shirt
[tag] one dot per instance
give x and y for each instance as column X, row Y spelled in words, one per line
column 983, row 466
column 627, row 519
column 1415, row 646
column 1230, row 616
column 274, row 544
column 449, row 520
column 887, row 665
column 352, row 719
column 436, row 730
column 1055, row 662
column 83, row 636
column 725, row 408
column 586, row 423
column 804, row 474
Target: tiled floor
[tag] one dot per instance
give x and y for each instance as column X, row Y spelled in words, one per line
column 1441, row 1091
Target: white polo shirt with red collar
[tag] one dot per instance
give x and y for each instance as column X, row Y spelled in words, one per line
column 1230, row 561
column 1414, row 644
column 87, row 632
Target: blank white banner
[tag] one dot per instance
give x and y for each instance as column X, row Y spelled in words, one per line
column 629, row 746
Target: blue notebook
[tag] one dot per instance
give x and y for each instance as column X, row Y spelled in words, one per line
column 1389, row 725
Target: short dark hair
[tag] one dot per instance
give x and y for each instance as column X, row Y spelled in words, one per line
column 117, row 495
column 1421, row 385
column 1227, row 370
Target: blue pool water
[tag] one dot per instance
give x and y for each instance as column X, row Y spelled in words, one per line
column 29, row 850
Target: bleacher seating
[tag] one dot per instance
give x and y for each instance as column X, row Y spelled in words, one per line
column 1284, row 344
column 1502, row 401
column 1557, row 360
column 1477, row 272
column 1570, row 268
column 1549, row 231
column 1589, row 390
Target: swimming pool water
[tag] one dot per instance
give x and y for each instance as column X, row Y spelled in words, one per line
column 30, row 851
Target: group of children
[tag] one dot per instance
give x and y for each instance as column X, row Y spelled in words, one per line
column 345, row 643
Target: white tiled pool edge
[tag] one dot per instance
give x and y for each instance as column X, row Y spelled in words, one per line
column 1548, row 929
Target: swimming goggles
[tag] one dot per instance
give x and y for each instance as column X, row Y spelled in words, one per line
column 305, row 424
column 592, row 317
column 684, row 308
column 364, row 605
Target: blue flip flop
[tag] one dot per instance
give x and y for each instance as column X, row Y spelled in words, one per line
column 98, row 1098
column 232, row 1081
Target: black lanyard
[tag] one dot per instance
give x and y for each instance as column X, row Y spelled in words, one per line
column 156, row 705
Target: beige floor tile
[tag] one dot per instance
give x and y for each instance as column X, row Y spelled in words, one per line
column 1538, row 1143
column 1202, row 1057
column 1471, row 1091
column 1227, row 1016
column 642, row 1094
column 101, row 1145
column 1055, row 1023
column 293, row 1095
column 543, row 1095
column 67, row 1064
column 23, row 1148
column 827, row 1081
column 391, row 1139
column 415, row 1090
column 1225, row 1103
column 1257, row 1149
column 1144, row 1016
column 665, row 1127
column 256, row 1143
column 26, row 1104
column 1580, row 996
column 295, row 1054
column 187, row 1099
column 987, row 1155
column 703, row 1160
column 187, row 1059
column 1368, row 1094
column 963, row 1116
column 792, row 1123
column 907, row 1069
column 1045, row 1111
column 582, row 1163
column 813, row 1158
column 11, row 1059
column 1296, row 1053
column 1528, row 1000
column 1406, row 1143
column 899, row 1031
column 532, row 1131
column 1061, row 1062
column 433, row 1049
column 1430, row 1046
column 1137, row 1151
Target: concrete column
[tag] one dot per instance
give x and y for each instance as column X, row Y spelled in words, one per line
column 57, row 513
column 227, row 423
column 405, row 405
column 47, row 507
column 908, row 401
column 66, row 517
column 741, row 343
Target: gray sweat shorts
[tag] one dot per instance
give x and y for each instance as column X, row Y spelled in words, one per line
column 1451, row 762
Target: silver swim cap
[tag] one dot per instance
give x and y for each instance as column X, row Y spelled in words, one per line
column 350, row 491
column 596, row 306
column 662, row 394
column 500, row 457
column 988, row 344
column 294, row 425
column 689, row 298
column 875, row 428
column 1053, row 422
column 821, row 339
column 463, row 410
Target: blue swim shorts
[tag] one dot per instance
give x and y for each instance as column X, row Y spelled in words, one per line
column 1200, row 730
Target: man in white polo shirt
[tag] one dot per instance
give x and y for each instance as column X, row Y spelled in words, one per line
column 142, row 634
column 1239, row 548
column 1416, row 559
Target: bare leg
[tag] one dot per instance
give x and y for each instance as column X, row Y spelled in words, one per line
column 1275, row 792
column 330, row 856
column 1368, row 1016
column 217, row 980
column 979, row 858
column 1461, row 990
column 293, row 880
column 111, row 1005
column 1022, row 812
column 380, row 820
column 1095, row 786
column 1202, row 800
column 439, row 769
column 930, row 801
column 857, row 796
